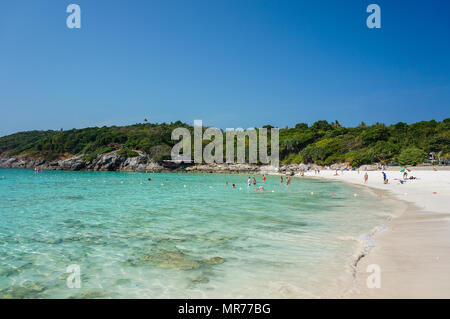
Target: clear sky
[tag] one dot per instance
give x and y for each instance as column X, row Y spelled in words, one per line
column 230, row 63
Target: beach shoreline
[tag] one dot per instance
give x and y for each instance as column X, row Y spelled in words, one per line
column 412, row 248
column 413, row 252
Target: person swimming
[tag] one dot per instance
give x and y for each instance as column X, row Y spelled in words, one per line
column 233, row 186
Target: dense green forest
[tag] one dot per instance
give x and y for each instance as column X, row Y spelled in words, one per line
column 322, row 143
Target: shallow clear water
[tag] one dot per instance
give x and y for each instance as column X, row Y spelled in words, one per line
column 133, row 238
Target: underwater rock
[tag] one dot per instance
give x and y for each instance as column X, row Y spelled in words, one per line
column 200, row 280
column 28, row 290
column 173, row 259
column 94, row 294
column 214, row 260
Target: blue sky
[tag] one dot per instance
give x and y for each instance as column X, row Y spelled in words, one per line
column 230, row 63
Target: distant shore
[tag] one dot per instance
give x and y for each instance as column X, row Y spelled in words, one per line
column 413, row 253
column 113, row 161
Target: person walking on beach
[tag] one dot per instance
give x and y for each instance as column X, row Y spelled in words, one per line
column 385, row 180
column 366, row 178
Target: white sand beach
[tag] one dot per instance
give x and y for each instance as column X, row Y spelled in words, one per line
column 413, row 253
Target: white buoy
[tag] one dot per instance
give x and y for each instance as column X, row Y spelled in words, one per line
column 355, row 194
column 185, row 186
column 312, row 193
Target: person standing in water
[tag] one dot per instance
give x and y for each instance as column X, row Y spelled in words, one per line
column 249, row 181
column 254, row 181
column 288, row 180
column 281, row 179
column 264, row 178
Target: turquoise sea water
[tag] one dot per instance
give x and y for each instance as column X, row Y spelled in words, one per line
column 178, row 236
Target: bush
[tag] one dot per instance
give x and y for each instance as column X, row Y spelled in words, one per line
column 375, row 133
column 127, row 152
column 106, row 149
column 412, row 156
column 293, row 159
column 160, row 153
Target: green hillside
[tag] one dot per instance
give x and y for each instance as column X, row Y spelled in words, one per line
column 322, row 143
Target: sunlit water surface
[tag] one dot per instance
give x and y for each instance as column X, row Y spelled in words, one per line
column 179, row 235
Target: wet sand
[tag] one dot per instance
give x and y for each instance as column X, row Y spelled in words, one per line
column 413, row 253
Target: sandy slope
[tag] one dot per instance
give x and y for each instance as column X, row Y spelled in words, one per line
column 414, row 252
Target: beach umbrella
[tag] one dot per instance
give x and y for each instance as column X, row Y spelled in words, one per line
column 405, row 170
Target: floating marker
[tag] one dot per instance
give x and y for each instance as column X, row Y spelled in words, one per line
column 185, row 186
column 312, row 193
column 355, row 194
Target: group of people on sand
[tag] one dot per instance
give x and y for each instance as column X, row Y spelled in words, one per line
column 386, row 180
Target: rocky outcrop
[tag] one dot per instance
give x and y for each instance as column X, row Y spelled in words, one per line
column 105, row 162
column 223, row 168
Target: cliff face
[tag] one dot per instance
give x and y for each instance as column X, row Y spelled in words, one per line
column 105, row 162
column 141, row 163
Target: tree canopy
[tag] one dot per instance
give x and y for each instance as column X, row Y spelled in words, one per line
column 322, row 143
